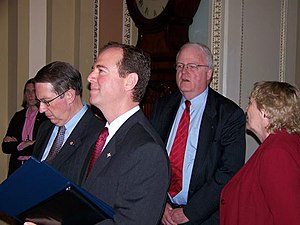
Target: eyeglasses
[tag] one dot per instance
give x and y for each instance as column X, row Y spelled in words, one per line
column 47, row 102
column 189, row 66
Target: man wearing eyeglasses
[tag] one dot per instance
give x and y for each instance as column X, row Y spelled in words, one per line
column 64, row 141
column 204, row 133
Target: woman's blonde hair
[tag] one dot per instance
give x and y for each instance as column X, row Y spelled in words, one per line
column 280, row 103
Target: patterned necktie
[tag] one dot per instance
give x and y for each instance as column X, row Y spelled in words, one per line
column 178, row 150
column 98, row 148
column 57, row 144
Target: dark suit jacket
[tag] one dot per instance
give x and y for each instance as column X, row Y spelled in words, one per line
column 132, row 174
column 69, row 161
column 220, row 151
column 15, row 129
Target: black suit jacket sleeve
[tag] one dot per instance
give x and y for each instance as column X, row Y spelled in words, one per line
column 15, row 129
column 220, row 151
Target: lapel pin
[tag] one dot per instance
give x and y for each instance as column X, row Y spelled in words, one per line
column 108, row 155
column 71, row 142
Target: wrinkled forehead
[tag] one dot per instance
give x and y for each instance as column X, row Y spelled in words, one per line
column 191, row 54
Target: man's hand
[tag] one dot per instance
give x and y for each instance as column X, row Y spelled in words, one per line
column 178, row 216
column 43, row 221
column 173, row 216
column 167, row 218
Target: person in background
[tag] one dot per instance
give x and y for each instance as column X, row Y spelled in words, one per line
column 266, row 191
column 211, row 149
column 21, row 133
column 64, row 141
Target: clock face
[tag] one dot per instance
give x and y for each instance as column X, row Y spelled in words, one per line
column 151, row 8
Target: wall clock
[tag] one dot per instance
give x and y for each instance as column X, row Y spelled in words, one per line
column 151, row 8
column 163, row 27
column 149, row 15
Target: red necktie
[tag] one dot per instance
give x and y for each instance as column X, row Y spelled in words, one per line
column 98, row 148
column 178, row 150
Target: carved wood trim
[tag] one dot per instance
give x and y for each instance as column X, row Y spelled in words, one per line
column 283, row 39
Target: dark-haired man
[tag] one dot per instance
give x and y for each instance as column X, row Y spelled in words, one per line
column 59, row 90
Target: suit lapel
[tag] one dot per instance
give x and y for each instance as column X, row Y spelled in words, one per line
column 112, row 147
column 107, row 154
column 68, row 149
column 74, row 141
column 205, row 139
column 44, row 137
column 171, row 111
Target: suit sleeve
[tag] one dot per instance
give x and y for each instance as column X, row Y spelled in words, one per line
column 226, row 155
column 14, row 129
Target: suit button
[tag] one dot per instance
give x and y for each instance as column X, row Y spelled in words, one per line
column 222, row 201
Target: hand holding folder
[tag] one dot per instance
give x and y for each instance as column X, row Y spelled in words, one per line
column 38, row 192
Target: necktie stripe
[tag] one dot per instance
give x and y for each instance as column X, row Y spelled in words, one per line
column 98, row 148
column 57, row 144
column 178, row 151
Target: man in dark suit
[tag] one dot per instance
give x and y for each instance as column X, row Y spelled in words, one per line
column 215, row 146
column 132, row 172
column 59, row 90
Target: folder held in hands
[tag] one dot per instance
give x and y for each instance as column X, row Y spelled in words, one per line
column 38, row 191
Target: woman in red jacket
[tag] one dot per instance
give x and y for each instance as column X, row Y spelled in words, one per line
column 266, row 190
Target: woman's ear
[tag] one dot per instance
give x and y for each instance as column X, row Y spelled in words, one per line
column 266, row 120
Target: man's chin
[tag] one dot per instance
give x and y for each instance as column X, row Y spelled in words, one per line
column 93, row 100
column 54, row 121
column 185, row 86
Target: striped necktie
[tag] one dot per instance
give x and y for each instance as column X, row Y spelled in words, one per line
column 177, row 151
column 98, row 148
column 57, row 144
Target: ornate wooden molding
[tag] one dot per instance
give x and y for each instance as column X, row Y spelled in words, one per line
column 242, row 50
column 216, row 38
column 96, row 28
column 283, row 39
column 127, row 25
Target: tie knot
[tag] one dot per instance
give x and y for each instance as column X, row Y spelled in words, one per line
column 187, row 104
column 103, row 135
column 104, row 132
column 61, row 130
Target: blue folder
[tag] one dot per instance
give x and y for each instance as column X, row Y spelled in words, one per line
column 36, row 190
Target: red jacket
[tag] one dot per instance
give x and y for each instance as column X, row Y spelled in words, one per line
column 266, row 191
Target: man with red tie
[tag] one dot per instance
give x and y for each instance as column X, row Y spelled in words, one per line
column 129, row 170
column 210, row 148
